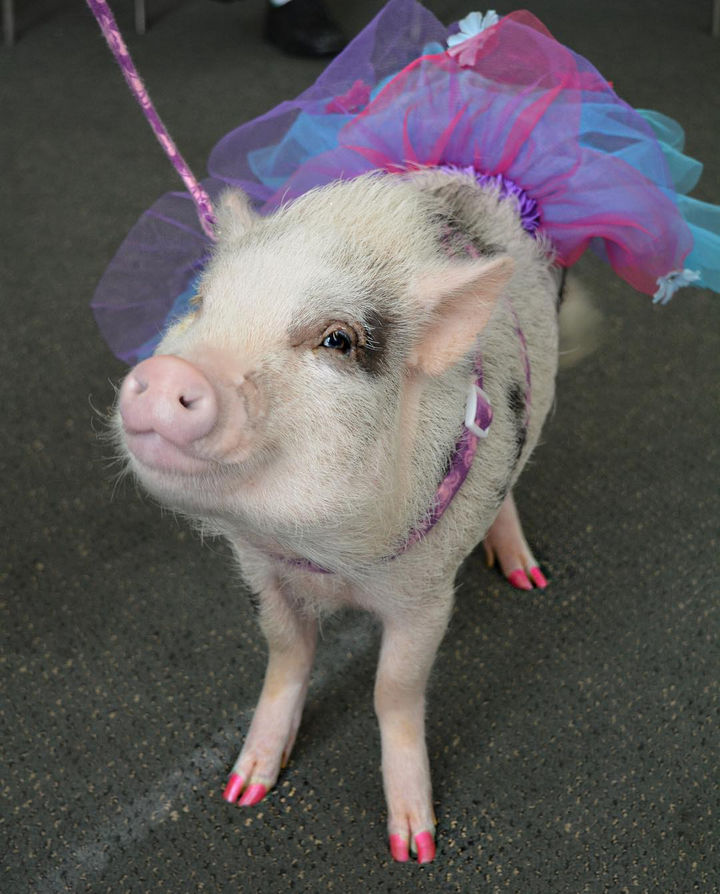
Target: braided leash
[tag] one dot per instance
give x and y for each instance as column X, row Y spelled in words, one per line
column 111, row 32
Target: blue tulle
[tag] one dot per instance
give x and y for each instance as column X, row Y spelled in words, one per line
column 514, row 103
column 307, row 137
column 181, row 306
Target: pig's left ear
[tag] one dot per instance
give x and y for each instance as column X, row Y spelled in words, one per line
column 233, row 214
column 459, row 300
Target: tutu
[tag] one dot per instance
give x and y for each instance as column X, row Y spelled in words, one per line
column 500, row 97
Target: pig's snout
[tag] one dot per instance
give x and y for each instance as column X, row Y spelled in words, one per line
column 170, row 397
column 177, row 418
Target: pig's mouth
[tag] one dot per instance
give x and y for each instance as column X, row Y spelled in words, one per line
column 152, row 451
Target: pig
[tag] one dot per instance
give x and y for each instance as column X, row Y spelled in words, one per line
column 307, row 409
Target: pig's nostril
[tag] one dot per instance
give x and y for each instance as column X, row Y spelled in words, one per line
column 135, row 384
column 189, row 401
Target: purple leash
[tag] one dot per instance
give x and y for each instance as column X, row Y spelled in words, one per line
column 111, row 32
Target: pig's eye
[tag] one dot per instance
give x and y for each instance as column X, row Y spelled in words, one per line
column 339, row 340
column 195, row 303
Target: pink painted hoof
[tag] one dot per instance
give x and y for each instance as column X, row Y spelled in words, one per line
column 233, row 788
column 253, row 795
column 425, row 844
column 538, row 578
column 519, row 580
column 399, row 849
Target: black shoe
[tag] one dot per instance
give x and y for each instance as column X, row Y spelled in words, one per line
column 303, row 28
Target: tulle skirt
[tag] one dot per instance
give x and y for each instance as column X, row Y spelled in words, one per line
column 505, row 99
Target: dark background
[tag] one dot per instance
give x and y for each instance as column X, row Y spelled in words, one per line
column 573, row 733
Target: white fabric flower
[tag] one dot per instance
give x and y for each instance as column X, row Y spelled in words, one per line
column 473, row 24
column 669, row 284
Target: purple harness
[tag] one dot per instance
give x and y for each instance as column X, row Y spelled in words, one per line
column 478, row 412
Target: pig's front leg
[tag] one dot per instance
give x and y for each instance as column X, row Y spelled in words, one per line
column 408, row 649
column 506, row 542
column 291, row 638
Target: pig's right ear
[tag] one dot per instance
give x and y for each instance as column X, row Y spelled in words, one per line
column 233, row 214
column 458, row 301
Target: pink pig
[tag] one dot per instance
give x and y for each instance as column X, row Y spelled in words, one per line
column 361, row 380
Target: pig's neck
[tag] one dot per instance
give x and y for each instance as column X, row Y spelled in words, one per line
column 432, row 426
column 429, row 429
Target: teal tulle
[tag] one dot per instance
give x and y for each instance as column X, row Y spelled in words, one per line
column 601, row 130
column 702, row 218
column 704, row 222
column 684, row 171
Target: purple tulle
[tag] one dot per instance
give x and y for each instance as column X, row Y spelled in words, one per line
column 526, row 206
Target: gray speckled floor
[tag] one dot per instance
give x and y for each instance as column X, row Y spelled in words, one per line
column 573, row 734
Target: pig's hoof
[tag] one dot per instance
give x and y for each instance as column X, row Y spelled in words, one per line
column 233, row 788
column 265, row 752
column 399, row 848
column 408, row 792
column 423, row 846
column 506, row 544
column 519, row 578
column 517, row 565
column 411, row 833
column 252, row 795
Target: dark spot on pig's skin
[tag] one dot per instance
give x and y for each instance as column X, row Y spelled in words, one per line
column 516, row 403
column 459, row 242
column 502, row 492
column 372, row 357
column 515, row 397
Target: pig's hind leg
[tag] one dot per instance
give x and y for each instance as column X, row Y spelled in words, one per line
column 409, row 644
column 291, row 637
column 506, row 543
